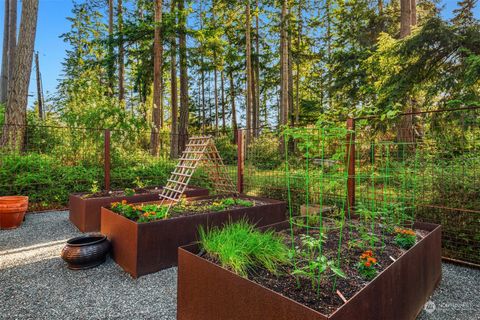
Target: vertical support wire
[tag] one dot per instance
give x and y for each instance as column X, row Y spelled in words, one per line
column 289, row 196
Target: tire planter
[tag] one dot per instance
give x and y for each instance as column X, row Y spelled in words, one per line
column 85, row 212
column 208, row 292
column 143, row 248
column 86, row 252
column 12, row 211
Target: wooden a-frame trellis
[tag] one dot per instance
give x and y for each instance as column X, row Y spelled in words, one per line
column 199, row 150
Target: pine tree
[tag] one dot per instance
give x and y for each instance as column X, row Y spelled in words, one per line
column 464, row 16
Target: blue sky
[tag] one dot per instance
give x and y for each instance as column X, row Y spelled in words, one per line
column 52, row 23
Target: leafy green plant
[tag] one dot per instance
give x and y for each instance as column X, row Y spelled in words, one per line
column 366, row 265
column 139, row 183
column 240, row 247
column 129, row 192
column 405, row 238
column 219, row 205
column 140, row 213
column 311, row 264
column 314, row 269
column 94, row 188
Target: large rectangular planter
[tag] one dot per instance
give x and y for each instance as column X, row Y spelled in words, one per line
column 143, row 248
column 208, row 292
column 85, row 212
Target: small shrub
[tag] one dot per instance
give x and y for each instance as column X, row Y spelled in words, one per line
column 227, row 149
column 263, row 152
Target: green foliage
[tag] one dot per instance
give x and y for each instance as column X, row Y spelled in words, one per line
column 129, row 192
column 405, row 238
column 366, row 265
column 227, row 149
column 95, row 187
column 2, row 114
column 204, row 206
column 140, row 213
column 240, row 248
column 263, row 152
column 48, row 180
column 310, row 263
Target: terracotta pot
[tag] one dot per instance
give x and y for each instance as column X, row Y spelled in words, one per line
column 12, row 211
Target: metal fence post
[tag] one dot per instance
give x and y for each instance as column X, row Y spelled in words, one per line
column 240, row 160
column 351, row 166
column 106, row 159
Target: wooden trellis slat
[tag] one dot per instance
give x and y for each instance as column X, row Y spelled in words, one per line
column 200, row 150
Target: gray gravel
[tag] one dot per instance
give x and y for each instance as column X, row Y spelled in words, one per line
column 457, row 297
column 35, row 284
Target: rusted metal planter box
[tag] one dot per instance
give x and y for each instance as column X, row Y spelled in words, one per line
column 209, row 292
column 143, row 248
column 85, row 212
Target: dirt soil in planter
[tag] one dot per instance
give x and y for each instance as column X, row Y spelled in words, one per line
column 327, row 300
column 201, row 206
column 121, row 193
column 204, row 206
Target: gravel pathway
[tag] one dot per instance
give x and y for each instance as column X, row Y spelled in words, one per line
column 35, row 284
column 457, row 297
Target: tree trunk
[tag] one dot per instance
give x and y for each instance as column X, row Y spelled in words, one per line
column 39, row 88
column 15, row 115
column 328, row 14
column 297, row 84
column 215, row 93
column 405, row 18
column 121, row 54
column 413, row 8
column 291, row 110
column 254, row 100
column 222, row 88
column 380, row 7
column 173, row 83
column 183, row 127
column 284, row 66
column 204, row 109
column 157, row 80
column 405, row 124
column 232, row 101
column 12, row 40
column 111, row 62
column 257, row 70
column 4, row 73
column 248, row 58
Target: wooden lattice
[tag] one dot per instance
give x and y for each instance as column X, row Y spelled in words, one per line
column 199, row 150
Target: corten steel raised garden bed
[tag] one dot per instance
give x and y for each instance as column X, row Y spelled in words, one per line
column 85, row 211
column 143, row 248
column 206, row 291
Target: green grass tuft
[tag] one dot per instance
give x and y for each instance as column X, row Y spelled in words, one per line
column 240, row 247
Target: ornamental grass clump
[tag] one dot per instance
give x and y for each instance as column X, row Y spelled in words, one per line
column 405, row 238
column 240, row 248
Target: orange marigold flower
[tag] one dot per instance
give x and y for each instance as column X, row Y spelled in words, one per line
column 124, row 201
column 366, row 254
column 367, row 264
column 372, row 260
